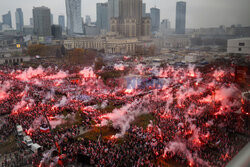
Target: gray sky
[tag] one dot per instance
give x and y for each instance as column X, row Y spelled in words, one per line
column 200, row 13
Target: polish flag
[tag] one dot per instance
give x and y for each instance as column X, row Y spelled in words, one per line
column 44, row 128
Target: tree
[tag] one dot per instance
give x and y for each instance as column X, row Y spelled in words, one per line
column 90, row 56
column 36, row 49
column 75, row 56
column 81, row 56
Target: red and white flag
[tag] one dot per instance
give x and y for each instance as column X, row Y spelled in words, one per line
column 44, row 129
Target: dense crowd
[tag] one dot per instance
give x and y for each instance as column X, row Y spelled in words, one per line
column 196, row 118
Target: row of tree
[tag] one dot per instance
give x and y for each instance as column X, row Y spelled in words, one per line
column 73, row 56
column 45, row 50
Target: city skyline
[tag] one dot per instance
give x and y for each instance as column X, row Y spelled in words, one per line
column 200, row 13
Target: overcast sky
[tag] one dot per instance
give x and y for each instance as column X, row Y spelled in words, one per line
column 200, row 13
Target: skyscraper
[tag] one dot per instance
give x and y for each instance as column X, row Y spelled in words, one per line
column 155, row 19
column 88, row 20
column 31, row 21
column 180, row 24
column 1, row 26
column 42, row 22
column 130, row 22
column 51, row 19
column 113, row 6
column 130, row 9
column 56, row 31
column 102, row 16
column 74, row 19
column 113, row 10
column 61, row 21
column 19, row 19
column 144, row 10
column 7, row 19
column 165, row 27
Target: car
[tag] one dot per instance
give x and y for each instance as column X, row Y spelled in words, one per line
column 19, row 130
column 27, row 140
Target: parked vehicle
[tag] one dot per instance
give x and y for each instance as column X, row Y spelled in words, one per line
column 27, row 140
column 19, row 130
column 36, row 148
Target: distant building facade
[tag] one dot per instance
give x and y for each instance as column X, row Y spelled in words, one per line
column 176, row 41
column 7, row 19
column 31, row 22
column 165, row 27
column 1, row 26
column 19, row 19
column 14, row 60
column 61, row 21
column 51, row 19
column 28, row 30
column 56, row 31
column 85, row 43
column 8, row 42
column 111, row 43
column 74, row 19
column 111, row 46
column 42, row 22
column 238, row 46
column 91, row 30
column 130, row 22
column 88, row 20
column 180, row 22
column 102, row 16
column 155, row 19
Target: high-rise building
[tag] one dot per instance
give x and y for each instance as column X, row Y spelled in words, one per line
column 155, row 19
column 61, row 21
column 130, row 22
column 180, row 24
column 42, row 22
column 88, row 20
column 144, row 10
column 74, row 19
column 7, row 19
column 130, row 9
column 51, row 19
column 113, row 10
column 19, row 19
column 113, row 7
column 1, row 26
column 165, row 24
column 102, row 16
column 56, row 31
column 165, row 27
column 31, row 21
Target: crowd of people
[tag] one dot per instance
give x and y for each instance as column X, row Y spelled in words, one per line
column 196, row 118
